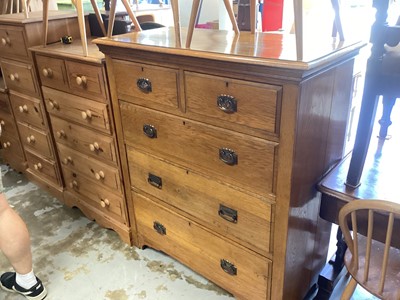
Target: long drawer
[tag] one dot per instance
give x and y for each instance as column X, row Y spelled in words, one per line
column 37, row 140
column 238, row 104
column 108, row 202
column 232, row 213
column 27, row 110
column 84, row 140
column 241, row 272
column 84, row 111
column 103, row 174
column 234, row 158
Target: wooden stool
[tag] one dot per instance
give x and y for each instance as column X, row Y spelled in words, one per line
column 196, row 8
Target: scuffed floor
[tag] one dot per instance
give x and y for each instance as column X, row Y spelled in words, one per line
column 76, row 259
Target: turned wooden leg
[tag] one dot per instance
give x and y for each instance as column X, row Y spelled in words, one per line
column 132, row 16
column 177, row 22
column 349, row 290
column 385, row 122
column 193, row 17
column 45, row 21
column 231, row 14
column 98, row 17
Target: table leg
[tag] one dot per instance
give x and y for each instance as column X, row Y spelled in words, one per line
column 385, row 122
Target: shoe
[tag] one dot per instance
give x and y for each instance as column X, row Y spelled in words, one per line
column 8, row 283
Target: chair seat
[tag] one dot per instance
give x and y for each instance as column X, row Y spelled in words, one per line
column 392, row 282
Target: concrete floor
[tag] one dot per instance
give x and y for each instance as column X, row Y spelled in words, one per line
column 76, row 259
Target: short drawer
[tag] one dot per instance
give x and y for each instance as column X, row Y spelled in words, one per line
column 237, row 159
column 43, row 168
column 20, row 77
column 102, row 199
column 11, row 147
column 225, row 210
column 8, row 126
column 150, row 86
column 103, row 174
column 28, row 110
column 37, row 140
column 12, row 42
column 238, row 270
column 78, row 109
column 4, row 104
column 239, row 104
column 86, row 80
column 52, row 72
column 84, row 140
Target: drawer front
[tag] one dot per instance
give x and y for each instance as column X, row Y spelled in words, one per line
column 104, row 200
column 4, row 104
column 232, row 102
column 35, row 139
column 52, row 72
column 28, row 110
column 103, row 174
column 11, row 147
column 234, row 158
column 43, row 168
column 20, row 77
column 12, row 42
column 84, row 140
column 81, row 110
column 241, row 272
column 86, row 80
column 8, row 126
column 222, row 209
column 146, row 85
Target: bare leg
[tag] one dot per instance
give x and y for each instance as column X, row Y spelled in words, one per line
column 14, row 238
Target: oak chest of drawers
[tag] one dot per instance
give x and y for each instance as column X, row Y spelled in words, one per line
column 17, row 35
column 224, row 143
column 76, row 97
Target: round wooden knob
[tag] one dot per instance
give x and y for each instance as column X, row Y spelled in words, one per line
column 61, row 134
column 47, row 72
column 8, row 41
column 37, row 166
column 73, row 184
column 81, row 80
column 2, row 123
column 31, row 138
column 93, row 147
column 3, row 42
column 23, row 108
column 53, row 104
column 86, row 114
column 67, row 160
column 99, row 175
column 6, row 145
column 14, row 77
column 105, row 203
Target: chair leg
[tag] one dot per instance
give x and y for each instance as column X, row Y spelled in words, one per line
column 385, row 122
column 193, row 16
column 349, row 290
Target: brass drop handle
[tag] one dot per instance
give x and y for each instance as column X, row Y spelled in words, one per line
column 31, row 139
column 86, row 114
column 38, row 166
column 61, row 134
column 6, row 145
column 23, row 108
column 47, row 72
column 99, row 175
column 105, row 203
column 53, row 104
column 14, row 77
column 94, row 147
column 67, row 160
column 73, row 184
column 81, row 80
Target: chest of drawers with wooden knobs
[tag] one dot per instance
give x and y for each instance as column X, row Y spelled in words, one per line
column 76, row 97
column 224, row 143
column 17, row 35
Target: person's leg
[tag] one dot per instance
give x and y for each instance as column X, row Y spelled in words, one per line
column 16, row 246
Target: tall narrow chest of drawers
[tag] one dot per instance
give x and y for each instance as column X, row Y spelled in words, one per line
column 224, row 143
column 17, row 34
column 77, row 99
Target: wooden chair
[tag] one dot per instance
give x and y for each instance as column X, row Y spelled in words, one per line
column 14, row 6
column 373, row 264
column 382, row 78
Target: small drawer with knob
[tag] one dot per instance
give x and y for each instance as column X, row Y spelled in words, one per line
column 52, row 72
column 150, row 86
column 12, row 42
column 84, row 140
column 223, row 261
column 11, row 147
column 43, row 167
column 244, row 106
column 97, row 171
column 37, row 140
column 8, row 126
column 101, row 198
column 82, row 110
column 20, row 77
column 86, row 80
column 27, row 110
